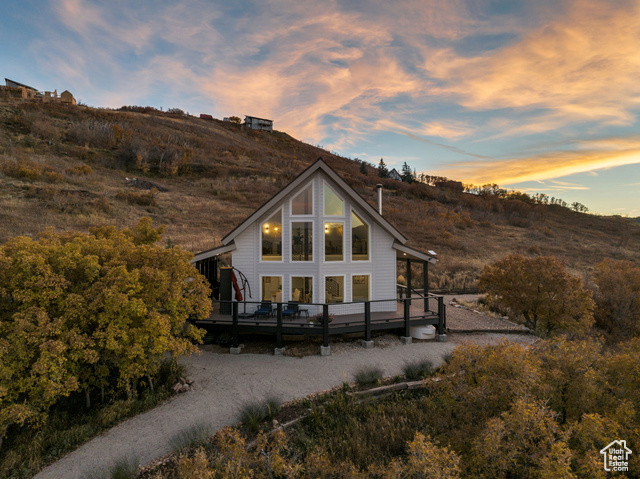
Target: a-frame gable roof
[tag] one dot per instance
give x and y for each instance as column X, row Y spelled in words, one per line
column 319, row 165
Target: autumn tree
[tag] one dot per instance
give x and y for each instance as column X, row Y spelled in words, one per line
column 618, row 298
column 86, row 311
column 539, row 293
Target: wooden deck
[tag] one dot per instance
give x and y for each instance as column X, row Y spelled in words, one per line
column 408, row 313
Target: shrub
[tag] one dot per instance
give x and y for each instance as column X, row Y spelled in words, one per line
column 253, row 414
column 418, row 369
column 192, row 436
column 368, row 376
column 79, row 170
column 143, row 198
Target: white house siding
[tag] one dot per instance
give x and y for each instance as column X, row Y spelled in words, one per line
column 381, row 266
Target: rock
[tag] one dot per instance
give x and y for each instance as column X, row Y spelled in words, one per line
column 177, row 387
column 183, row 380
column 189, row 382
column 275, row 423
column 185, row 388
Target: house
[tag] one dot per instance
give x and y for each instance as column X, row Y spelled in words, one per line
column 260, row 124
column 67, row 97
column 19, row 90
column 316, row 242
column 394, row 175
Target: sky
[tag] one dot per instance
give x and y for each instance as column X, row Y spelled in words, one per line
column 536, row 96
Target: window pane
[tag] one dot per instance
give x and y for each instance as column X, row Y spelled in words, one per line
column 302, row 203
column 334, row 289
column 333, row 242
column 301, row 241
column 360, row 287
column 359, row 239
column 272, row 288
column 333, row 205
column 272, row 238
column 302, row 289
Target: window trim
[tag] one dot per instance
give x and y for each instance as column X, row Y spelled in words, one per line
column 302, row 219
column 282, row 237
column 297, row 275
column 313, row 202
column 281, row 276
column 360, row 261
column 370, row 286
column 324, row 287
column 324, row 251
column 324, row 213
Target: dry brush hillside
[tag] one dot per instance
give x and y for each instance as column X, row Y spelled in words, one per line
column 73, row 168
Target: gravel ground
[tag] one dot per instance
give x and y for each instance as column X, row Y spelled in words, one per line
column 224, row 382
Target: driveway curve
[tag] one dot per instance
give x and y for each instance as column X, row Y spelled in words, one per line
column 223, row 383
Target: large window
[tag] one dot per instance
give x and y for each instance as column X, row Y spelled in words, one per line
column 302, row 289
column 272, row 288
column 360, row 287
column 333, row 242
column 301, row 241
column 359, row 238
column 333, row 204
column 302, row 203
column 272, row 238
column 334, row 289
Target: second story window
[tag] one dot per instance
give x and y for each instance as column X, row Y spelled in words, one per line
column 359, row 238
column 301, row 241
column 333, row 204
column 302, row 203
column 333, row 242
column 271, row 231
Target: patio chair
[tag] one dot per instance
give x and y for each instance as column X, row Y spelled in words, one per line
column 291, row 310
column 264, row 309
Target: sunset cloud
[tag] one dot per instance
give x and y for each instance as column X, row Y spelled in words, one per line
column 477, row 90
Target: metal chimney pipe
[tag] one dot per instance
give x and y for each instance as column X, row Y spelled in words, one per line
column 379, row 187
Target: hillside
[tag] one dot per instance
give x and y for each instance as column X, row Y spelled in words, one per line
column 77, row 167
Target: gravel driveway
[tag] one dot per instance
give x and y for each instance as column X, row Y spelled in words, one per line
column 224, row 382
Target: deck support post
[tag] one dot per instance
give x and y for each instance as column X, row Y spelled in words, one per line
column 409, row 286
column 367, row 343
column 325, row 349
column 406, row 339
column 442, row 321
column 235, row 347
column 425, row 281
column 279, row 344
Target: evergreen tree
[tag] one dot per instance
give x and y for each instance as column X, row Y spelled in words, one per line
column 407, row 174
column 383, row 172
column 363, row 168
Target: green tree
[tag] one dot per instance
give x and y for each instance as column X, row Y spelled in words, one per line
column 538, row 293
column 618, row 298
column 383, row 171
column 407, row 174
column 363, row 168
column 77, row 310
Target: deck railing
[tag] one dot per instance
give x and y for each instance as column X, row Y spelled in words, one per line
column 325, row 319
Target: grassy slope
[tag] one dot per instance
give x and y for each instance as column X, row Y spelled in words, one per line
column 217, row 173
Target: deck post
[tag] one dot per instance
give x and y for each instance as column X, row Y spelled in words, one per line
column 409, row 278
column 325, row 349
column 425, row 288
column 367, row 343
column 442, row 320
column 279, row 346
column 367, row 321
column 235, row 347
column 406, row 339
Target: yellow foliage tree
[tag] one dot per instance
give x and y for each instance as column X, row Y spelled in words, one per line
column 84, row 310
column 539, row 293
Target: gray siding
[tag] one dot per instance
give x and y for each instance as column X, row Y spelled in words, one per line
column 381, row 266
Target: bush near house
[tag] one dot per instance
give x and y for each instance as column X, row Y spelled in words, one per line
column 538, row 293
column 91, row 313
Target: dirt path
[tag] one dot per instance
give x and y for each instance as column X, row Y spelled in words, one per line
column 223, row 383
